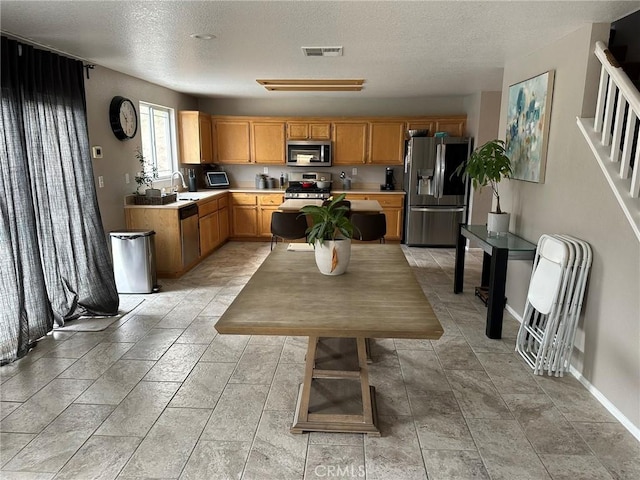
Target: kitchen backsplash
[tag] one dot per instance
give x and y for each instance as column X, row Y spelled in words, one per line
column 241, row 175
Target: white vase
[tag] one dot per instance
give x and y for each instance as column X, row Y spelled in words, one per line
column 332, row 257
column 498, row 222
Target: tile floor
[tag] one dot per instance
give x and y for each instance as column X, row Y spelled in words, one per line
column 159, row 395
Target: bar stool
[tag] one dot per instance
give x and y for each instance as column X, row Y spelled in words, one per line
column 369, row 227
column 288, row 226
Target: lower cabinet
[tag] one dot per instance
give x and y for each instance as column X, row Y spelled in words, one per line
column 214, row 223
column 393, row 208
column 209, row 233
column 251, row 214
column 166, row 224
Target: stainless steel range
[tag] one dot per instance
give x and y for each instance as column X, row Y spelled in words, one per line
column 309, row 185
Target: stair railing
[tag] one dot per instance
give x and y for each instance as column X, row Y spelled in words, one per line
column 617, row 113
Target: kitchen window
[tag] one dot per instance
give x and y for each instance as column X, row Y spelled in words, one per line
column 158, row 134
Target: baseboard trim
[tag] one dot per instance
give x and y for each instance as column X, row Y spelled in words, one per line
column 604, row 401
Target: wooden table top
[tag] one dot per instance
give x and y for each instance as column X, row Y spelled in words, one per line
column 357, row 206
column 377, row 297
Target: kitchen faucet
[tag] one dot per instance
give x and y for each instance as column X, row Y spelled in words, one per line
column 184, row 185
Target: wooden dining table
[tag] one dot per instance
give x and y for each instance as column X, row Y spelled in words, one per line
column 377, row 297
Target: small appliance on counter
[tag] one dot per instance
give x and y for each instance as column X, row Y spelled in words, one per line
column 388, row 180
column 309, row 185
column 217, row 179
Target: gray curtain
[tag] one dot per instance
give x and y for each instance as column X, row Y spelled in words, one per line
column 54, row 259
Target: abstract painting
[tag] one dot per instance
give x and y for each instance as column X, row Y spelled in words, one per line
column 528, row 114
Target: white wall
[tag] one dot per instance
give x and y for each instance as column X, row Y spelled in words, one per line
column 575, row 199
column 308, row 105
column 118, row 156
column 483, row 115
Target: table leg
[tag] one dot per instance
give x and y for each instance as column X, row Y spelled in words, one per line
column 458, row 274
column 486, row 270
column 497, row 284
column 335, row 399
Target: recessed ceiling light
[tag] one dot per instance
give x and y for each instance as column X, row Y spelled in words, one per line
column 203, row 36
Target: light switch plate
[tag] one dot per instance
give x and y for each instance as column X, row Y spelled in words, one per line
column 266, row 170
column 96, row 151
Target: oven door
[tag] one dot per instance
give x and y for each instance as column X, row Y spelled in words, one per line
column 308, row 154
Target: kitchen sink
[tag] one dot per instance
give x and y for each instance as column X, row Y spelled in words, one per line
column 193, row 196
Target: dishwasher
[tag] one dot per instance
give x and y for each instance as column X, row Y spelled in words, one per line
column 189, row 234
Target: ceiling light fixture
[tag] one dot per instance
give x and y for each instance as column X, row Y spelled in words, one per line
column 307, row 85
column 203, row 36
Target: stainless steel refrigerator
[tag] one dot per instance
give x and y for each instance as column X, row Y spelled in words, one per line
column 436, row 200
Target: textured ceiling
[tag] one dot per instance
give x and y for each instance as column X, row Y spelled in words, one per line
column 401, row 49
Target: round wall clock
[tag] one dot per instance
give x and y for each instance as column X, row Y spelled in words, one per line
column 123, row 118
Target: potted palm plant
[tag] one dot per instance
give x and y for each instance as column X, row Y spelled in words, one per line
column 487, row 165
column 330, row 234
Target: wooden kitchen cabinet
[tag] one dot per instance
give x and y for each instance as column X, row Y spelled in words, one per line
column 268, row 203
column 166, row 224
column 308, row 131
column 195, row 134
column 209, row 233
column 393, row 208
column 454, row 127
column 231, row 140
column 422, row 125
column 386, row 143
column 349, row 143
column 213, row 222
column 244, row 215
column 223, row 210
column 268, row 142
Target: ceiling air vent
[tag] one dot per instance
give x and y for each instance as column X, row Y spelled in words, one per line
column 322, row 51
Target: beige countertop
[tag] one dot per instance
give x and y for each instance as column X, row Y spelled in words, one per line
column 204, row 194
column 357, row 206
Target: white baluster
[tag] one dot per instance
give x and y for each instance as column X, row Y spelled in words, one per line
column 604, row 77
column 608, row 113
column 617, row 128
column 628, row 144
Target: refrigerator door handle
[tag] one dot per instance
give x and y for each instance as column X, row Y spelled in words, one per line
column 436, row 209
column 436, row 173
column 441, row 157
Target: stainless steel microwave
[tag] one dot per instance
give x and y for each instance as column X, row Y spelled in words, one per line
column 309, row 153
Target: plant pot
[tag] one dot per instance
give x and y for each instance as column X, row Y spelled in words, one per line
column 153, row 192
column 498, row 222
column 332, row 257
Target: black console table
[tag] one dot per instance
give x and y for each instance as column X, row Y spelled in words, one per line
column 498, row 248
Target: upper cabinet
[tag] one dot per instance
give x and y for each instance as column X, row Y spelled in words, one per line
column 386, row 143
column 231, row 139
column 349, row 143
column 268, row 142
column 308, row 131
column 195, row 133
column 379, row 143
column 455, row 127
column 355, row 141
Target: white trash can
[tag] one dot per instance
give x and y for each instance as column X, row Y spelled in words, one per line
column 134, row 260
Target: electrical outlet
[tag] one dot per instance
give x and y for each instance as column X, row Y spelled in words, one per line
column 354, row 171
column 126, row 178
column 101, row 181
column 266, row 170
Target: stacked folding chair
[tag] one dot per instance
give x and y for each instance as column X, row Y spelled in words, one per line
column 554, row 301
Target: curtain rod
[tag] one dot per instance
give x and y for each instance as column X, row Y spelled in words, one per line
column 87, row 65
